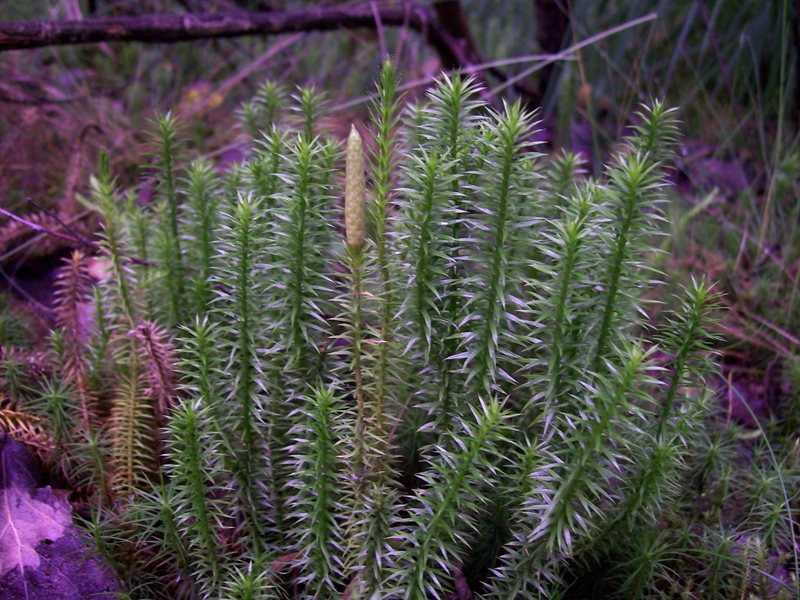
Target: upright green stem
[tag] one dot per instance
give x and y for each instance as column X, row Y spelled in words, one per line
column 678, row 375
column 386, row 140
column 245, row 294
column 633, row 181
column 617, row 265
column 103, row 189
column 449, row 343
column 484, row 374
column 172, row 250
column 355, row 255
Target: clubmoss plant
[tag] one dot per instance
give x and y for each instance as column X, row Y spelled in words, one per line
column 454, row 382
column 169, row 237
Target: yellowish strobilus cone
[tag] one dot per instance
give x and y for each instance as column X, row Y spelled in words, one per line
column 355, row 191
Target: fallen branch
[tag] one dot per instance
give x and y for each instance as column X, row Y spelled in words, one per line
column 71, row 236
column 169, row 28
column 444, row 29
column 74, row 239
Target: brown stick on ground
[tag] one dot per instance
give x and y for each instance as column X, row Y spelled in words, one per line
column 167, row 28
column 444, row 29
